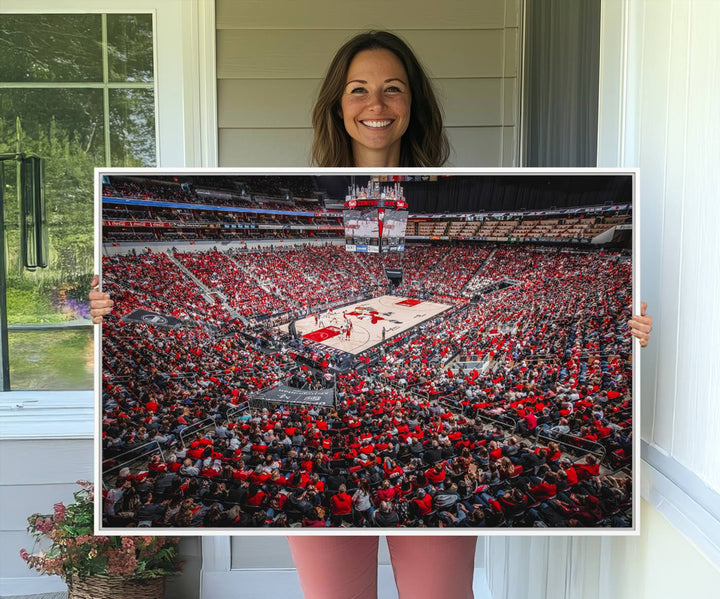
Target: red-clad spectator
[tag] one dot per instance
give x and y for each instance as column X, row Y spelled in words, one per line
column 340, row 506
column 588, row 469
column 422, row 503
column 436, row 475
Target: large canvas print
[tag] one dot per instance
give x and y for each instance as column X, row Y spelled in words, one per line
column 356, row 351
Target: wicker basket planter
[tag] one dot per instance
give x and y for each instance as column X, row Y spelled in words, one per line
column 116, row 587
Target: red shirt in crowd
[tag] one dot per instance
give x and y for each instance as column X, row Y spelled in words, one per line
column 341, row 504
column 424, row 504
column 434, row 477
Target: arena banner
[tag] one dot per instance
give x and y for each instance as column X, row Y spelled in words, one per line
column 154, row 319
column 282, row 394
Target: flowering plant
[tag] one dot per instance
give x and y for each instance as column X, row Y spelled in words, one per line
column 74, row 551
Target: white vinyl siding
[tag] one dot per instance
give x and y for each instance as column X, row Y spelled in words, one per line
column 271, row 58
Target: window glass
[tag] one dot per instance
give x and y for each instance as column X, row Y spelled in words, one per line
column 53, row 359
column 130, row 47
column 61, row 116
column 65, row 127
column 38, row 48
column 132, row 127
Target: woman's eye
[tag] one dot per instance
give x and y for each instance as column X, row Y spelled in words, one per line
column 357, row 90
column 393, row 89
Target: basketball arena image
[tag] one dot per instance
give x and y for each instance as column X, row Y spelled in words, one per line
column 376, row 351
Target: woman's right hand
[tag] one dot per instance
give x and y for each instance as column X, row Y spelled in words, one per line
column 100, row 302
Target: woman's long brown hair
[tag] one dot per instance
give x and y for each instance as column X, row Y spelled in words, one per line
column 424, row 144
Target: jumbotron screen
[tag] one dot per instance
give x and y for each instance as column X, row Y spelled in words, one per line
column 365, row 228
column 393, row 230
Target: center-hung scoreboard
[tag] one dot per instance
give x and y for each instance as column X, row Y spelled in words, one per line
column 375, row 218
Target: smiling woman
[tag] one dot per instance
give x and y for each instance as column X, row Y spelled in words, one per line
column 377, row 107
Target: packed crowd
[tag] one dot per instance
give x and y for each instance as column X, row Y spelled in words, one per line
column 268, row 185
column 378, row 459
column 513, row 436
column 140, row 222
column 272, row 192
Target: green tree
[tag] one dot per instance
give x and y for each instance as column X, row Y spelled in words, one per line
column 66, row 127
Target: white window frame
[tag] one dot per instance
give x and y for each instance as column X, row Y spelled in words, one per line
column 184, row 36
column 186, row 133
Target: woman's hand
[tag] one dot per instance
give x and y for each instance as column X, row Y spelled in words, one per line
column 641, row 325
column 100, row 302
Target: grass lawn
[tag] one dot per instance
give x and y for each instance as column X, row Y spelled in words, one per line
column 52, row 359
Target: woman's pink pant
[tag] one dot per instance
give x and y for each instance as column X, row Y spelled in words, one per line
column 346, row 567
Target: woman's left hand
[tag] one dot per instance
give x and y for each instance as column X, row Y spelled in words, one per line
column 641, row 325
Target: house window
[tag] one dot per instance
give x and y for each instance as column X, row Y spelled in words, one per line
column 78, row 90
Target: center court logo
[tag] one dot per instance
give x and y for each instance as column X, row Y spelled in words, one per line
column 366, row 313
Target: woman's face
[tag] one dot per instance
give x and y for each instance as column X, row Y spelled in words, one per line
column 375, row 107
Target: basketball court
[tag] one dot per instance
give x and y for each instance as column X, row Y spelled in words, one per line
column 391, row 313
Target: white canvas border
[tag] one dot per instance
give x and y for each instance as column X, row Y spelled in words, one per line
column 221, row 547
